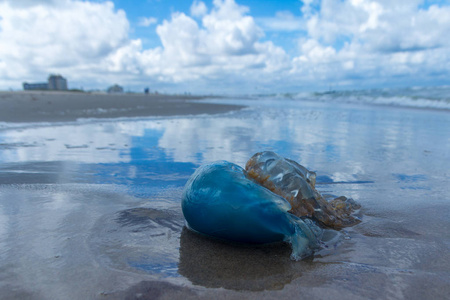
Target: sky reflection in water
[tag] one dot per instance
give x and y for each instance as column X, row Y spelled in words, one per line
column 334, row 141
column 126, row 176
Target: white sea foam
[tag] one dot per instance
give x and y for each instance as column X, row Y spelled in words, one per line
column 435, row 98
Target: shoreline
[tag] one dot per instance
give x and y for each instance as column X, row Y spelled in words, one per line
column 42, row 106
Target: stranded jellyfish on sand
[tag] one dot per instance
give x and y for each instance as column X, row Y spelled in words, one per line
column 273, row 200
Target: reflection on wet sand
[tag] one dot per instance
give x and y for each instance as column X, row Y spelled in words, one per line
column 213, row 263
column 139, row 240
column 156, row 242
column 150, row 290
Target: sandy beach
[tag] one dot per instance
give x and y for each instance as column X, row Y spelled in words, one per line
column 91, row 209
column 68, row 106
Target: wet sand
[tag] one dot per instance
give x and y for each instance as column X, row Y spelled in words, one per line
column 35, row 106
column 91, row 210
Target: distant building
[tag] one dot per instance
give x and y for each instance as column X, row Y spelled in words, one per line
column 54, row 83
column 57, row 83
column 115, row 89
column 42, row 86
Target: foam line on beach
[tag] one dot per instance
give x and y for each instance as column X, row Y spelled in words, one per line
column 422, row 98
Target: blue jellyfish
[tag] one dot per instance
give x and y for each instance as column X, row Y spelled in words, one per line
column 220, row 201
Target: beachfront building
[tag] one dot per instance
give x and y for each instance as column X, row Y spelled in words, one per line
column 41, row 86
column 57, row 83
column 54, row 83
column 115, row 89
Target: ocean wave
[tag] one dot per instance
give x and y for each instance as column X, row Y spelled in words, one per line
column 432, row 98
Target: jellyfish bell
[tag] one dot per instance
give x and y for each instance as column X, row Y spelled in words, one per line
column 220, row 201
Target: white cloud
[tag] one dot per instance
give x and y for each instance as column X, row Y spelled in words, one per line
column 28, row 3
column 146, row 22
column 43, row 37
column 307, row 7
column 283, row 21
column 383, row 25
column 226, row 43
column 370, row 40
column 223, row 48
column 89, row 42
column 198, row 9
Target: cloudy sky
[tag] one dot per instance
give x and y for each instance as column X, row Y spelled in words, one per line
column 226, row 46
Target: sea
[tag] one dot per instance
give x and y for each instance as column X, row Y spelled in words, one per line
column 91, row 209
column 414, row 97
